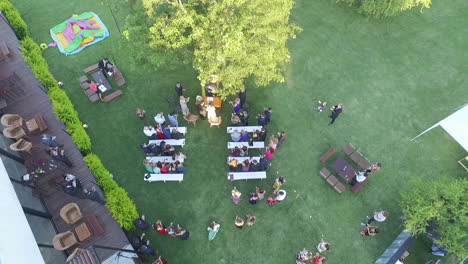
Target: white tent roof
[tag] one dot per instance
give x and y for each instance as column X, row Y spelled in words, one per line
column 17, row 242
column 456, row 126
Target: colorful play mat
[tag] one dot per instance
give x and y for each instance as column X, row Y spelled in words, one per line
column 79, row 32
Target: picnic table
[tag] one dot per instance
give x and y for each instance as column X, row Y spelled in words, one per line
column 344, row 169
column 256, row 144
column 249, row 129
column 101, row 81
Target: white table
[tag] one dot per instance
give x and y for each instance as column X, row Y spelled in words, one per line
column 256, row 144
column 182, row 130
column 164, row 177
column 248, row 129
column 242, row 159
column 254, row 175
column 172, row 142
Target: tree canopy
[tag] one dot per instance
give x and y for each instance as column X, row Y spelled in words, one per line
column 230, row 39
column 386, row 8
column 443, row 206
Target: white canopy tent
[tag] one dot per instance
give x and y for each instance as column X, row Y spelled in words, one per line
column 456, row 125
column 17, row 242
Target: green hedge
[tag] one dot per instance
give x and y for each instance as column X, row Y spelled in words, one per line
column 120, row 205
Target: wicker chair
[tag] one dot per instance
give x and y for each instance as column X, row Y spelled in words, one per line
column 215, row 121
column 191, row 118
column 21, row 145
column 70, row 213
column 64, row 241
column 11, row 120
column 14, row 132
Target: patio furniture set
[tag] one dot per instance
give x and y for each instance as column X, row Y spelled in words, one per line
column 15, row 128
column 104, row 86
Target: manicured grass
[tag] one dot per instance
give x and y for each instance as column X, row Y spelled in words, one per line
column 396, row 77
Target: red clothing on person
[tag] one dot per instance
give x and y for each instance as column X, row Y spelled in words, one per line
column 93, row 87
column 319, row 260
column 160, row 134
column 160, row 229
column 269, row 155
column 164, row 169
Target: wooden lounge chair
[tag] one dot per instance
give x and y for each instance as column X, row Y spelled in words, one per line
column 215, row 121
column 11, row 120
column 14, row 132
column 21, row 145
column 64, row 241
column 191, row 118
column 70, row 213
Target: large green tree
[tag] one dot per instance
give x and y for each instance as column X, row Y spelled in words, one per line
column 385, row 8
column 230, row 39
column 443, row 205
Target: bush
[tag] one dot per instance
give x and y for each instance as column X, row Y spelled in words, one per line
column 385, row 8
column 14, row 17
column 101, row 174
column 122, row 207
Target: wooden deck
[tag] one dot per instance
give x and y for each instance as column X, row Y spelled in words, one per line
column 30, row 100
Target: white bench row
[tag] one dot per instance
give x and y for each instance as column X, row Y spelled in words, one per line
column 163, row 177
column 242, row 159
column 256, row 144
column 248, row 129
column 254, row 175
column 156, row 159
column 172, row 142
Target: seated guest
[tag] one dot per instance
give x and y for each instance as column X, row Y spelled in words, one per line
column 235, row 119
column 272, row 200
column 263, row 134
column 244, row 151
column 375, row 167
column 244, row 117
column 360, row 177
column 235, row 135
column 106, row 67
column 150, row 132
column 163, row 169
column 59, row 155
column 182, row 233
column 169, row 150
column 146, row 148
column 50, row 141
column 93, row 86
column 245, row 166
column 256, row 135
column 235, row 152
column 264, row 162
column 176, row 134
column 179, row 167
column 236, row 106
column 140, row 113
column 269, row 153
column 148, row 166
column 170, row 167
column 141, row 223
column 72, row 185
column 244, row 136
column 160, row 132
column 179, row 156
column 167, row 132
column 93, row 195
column 160, row 119
column 147, row 249
column 233, row 163
column 251, row 220
column 254, row 165
column 281, row 195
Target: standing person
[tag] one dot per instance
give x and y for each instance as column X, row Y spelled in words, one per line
column 183, row 104
column 140, row 113
column 251, row 220
column 213, row 229
column 150, row 132
column 160, row 261
column 322, row 106
column 253, row 198
column 141, row 223
column 236, row 196
column 272, row 200
column 242, row 97
column 182, row 233
column 319, row 259
column 278, row 183
column 159, row 227
column 378, row 216
column 179, row 89
column 50, row 141
column 281, row 138
column 200, row 106
column 323, row 246
column 267, row 114
column 369, row 231
column 59, row 155
column 360, row 177
column 375, row 167
column 160, row 119
column 261, row 120
column 239, row 222
column 236, row 106
column 281, row 195
column 335, row 112
column 260, row 193
column 211, row 111
column 173, row 119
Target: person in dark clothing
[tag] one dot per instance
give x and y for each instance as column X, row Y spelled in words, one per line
column 244, row 117
column 50, row 141
column 263, row 134
column 264, row 162
column 59, row 155
column 267, row 115
column 182, row 233
column 93, row 195
column 141, row 223
column 167, row 132
column 336, row 111
column 179, row 89
column 242, row 97
column 106, row 67
column 254, row 165
column 261, row 121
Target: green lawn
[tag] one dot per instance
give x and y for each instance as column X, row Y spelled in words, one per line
column 396, row 77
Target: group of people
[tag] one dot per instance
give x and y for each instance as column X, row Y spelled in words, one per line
column 239, row 221
column 362, row 175
column 369, row 230
column 161, row 132
column 72, row 186
column 158, row 149
column 170, row 230
column 335, row 110
column 165, row 167
column 305, row 255
column 278, row 194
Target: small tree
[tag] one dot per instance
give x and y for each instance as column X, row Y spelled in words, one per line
column 443, row 204
column 231, row 39
column 385, row 8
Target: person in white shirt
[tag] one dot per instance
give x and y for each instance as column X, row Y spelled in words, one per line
column 281, row 195
column 360, row 177
column 150, row 132
column 378, row 216
column 160, row 119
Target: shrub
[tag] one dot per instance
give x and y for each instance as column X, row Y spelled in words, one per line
column 101, row 174
column 14, row 17
column 385, row 8
column 122, row 207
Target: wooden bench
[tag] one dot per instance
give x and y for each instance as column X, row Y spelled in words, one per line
column 172, row 142
column 37, row 124
column 164, row 177
column 160, row 159
column 328, row 154
column 325, row 173
column 242, row 159
column 256, row 145
column 91, row 68
column 332, row 180
column 83, row 79
column 5, row 50
column 358, row 186
column 348, row 149
column 118, row 77
column 112, row 96
column 356, row 157
column 364, row 163
column 248, row 129
column 94, row 225
column 254, row 175
column 339, row 187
